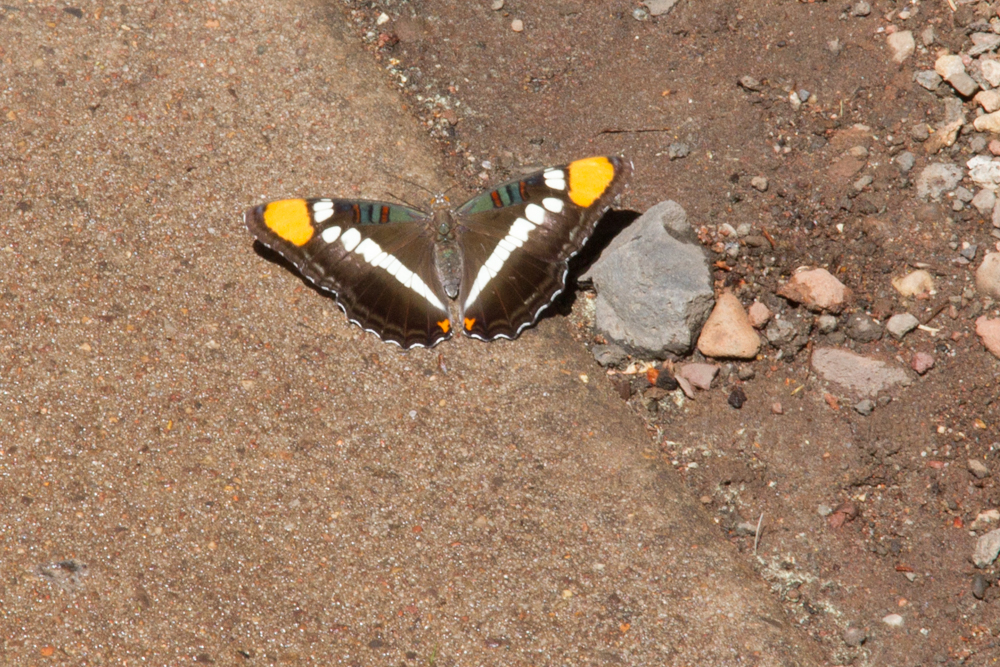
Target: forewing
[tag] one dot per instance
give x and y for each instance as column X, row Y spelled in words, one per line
column 516, row 241
column 377, row 259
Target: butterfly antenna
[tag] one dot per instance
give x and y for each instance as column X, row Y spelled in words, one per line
column 395, row 196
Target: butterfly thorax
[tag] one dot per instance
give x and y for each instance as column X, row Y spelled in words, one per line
column 447, row 256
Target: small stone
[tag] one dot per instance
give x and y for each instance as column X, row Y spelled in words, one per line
column 901, row 45
column 977, row 143
column 826, row 324
column 994, row 147
column 749, row 83
column 862, row 183
column 664, row 380
column 678, row 150
column 988, row 275
column 963, row 84
column 824, row 510
column 759, row 183
column 937, row 179
column 759, row 314
column 979, row 586
column 862, row 328
column 854, row 637
column 640, row 14
column 804, row 95
column 817, row 290
column 983, row 42
column 893, row 620
column 746, row 528
column 984, row 171
column 728, row 332
column 901, row 324
column 863, row 376
column 861, row 8
column 991, row 71
column 928, row 79
column 609, row 355
column 969, row 251
column 905, row 162
column 517, row 25
column 699, row 375
column 989, row 122
column 864, row 407
column 659, row 7
column 777, row 409
column 963, row 194
column 746, row 373
column 987, row 548
column 985, row 519
column 737, row 397
column 989, row 100
column 927, row 36
column 922, row 362
column 978, row 468
column 497, row 5
column 949, row 65
column 920, row 132
column 914, row 283
column 984, row 201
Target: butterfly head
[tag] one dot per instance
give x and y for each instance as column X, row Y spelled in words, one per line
column 440, row 202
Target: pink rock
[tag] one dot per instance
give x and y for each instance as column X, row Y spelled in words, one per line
column 989, row 331
column 817, row 290
column 861, row 375
column 995, row 147
column 922, row 362
column 759, row 314
column 699, row 375
column 727, row 334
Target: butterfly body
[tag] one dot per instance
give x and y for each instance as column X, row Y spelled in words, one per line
column 488, row 268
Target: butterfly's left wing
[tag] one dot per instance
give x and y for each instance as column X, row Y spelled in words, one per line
column 517, row 239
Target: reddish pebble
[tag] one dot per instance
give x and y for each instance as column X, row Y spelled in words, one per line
column 777, row 409
column 995, row 147
column 922, row 362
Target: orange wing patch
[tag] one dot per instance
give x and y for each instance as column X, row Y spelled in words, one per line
column 445, row 325
column 290, row 220
column 469, row 323
column 588, row 179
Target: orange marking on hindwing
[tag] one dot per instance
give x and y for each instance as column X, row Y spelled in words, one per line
column 445, row 325
column 469, row 323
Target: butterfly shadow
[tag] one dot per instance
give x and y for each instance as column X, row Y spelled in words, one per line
column 608, row 227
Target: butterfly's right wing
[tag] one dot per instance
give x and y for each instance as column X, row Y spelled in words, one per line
column 376, row 258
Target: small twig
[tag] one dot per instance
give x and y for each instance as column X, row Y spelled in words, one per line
column 756, row 536
column 951, row 4
column 937, row 311
column 639, row 131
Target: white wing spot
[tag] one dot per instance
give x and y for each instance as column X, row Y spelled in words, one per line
column 351, row 239
column 555, row 173
column 552, row 204
column 520, row 230
column 494, row 264
column 331, row 234
column 369, row 249
column 509, row 243
column 556, row 183
column 322, row 215
column 323, row 204
column 515, row 238
column 534, row 213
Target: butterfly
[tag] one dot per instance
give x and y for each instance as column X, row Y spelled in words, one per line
column 488, row 267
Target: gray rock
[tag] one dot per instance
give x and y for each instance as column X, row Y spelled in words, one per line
column 803, row 94
column 963, row 194
column 905, row 161
column 978, row 468
column 863, row 329
column 654, row 291
column 927, row 36
column 779, row 332
column 861, row 8
column 678, row 150
column 969, row 251
column 826, row 324
column 979, row 586
column 659, row 7
column 750, row 83
column 987, row 548
column 854, row 637
column 863, row 376
column 901, row 324
column 983, row 42
column 937, row 179
column 609, row 355
column 864, row 407
column 984, row 201
column 978, row 143
column 928, row 79
column 920, row 132
column 963, row 84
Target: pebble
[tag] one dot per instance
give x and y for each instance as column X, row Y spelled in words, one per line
column 893, row 620
column 864, row 407
column 728, row 332
column 517, row 25
column 988, row 331
column 779, row 332
column 854, row 637
column 984, row 201
column 640, row 14
column 750, row 83
column 984, row 171
column 937, row 179
column 978, row 468
column 699, row 375
column 914, row 283
column 759, row 314
column 983, row 42
column 659, row 7
column 737, row 397
column 988, row 275
column 901, row 324
column 963, row 84
column 609, row 355
column 991, row 71
column 861, row 8
column 746, row 373
column 989, row 100
column 824, row 510
column 979, row 586
column 987, row 548
column 969, row 251
column 901, row 45
column 949, row 65
column 920, row 132
column 759, row 183
column 928, row 79
column 826, row 324
column 865, row 377
column 678, row 150
column 862, row 182
column 905, row 161
column 927, row 36
column 803, row 94
column 922, row 362
column 994, row 147
column 817, row 290
column 777, row 409
column 963, row 194
column 859, row 152
column 989, row 122
column 862, row 328
column 497, row 5
column 984, row 519
column 977, row 144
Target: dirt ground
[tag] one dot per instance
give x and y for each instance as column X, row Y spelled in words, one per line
column 585, row 78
